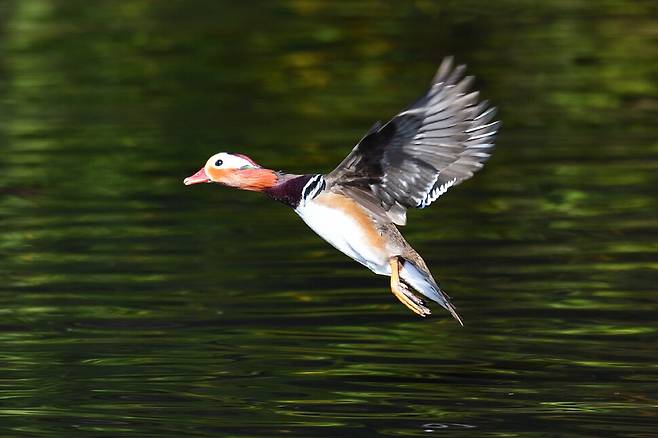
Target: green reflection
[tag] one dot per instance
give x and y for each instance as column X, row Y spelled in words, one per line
column 132, row 305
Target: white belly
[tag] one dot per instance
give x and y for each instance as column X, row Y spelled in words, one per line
column 346, row 234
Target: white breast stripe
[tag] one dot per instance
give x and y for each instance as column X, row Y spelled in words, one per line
column 312, row 188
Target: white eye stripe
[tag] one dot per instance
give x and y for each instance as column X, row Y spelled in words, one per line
column 229, row 161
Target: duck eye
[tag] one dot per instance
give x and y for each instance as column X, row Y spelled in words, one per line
column 218, row 163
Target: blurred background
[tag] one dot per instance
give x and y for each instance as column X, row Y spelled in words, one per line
column 134, row 305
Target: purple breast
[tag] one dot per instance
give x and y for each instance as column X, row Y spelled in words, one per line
column 290, row 191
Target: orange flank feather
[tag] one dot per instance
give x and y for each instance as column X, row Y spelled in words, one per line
column 352, row 209
column 256, row 180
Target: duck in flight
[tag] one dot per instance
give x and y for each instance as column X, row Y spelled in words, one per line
column 408, row 162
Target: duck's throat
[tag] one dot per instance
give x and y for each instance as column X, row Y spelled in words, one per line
column 288, row 189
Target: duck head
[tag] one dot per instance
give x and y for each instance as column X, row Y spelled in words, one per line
column 234, row 170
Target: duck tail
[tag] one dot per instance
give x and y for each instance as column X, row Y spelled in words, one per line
column 422, row 282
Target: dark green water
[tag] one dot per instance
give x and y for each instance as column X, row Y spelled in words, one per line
column 132, row 305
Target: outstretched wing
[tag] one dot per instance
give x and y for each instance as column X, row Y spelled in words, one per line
column 436, row 143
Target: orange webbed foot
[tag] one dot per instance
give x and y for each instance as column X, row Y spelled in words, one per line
column 403, row 293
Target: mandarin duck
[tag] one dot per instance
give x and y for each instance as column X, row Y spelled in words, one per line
column 409, row 161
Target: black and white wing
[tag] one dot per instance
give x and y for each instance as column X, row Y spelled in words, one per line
column 436, row 143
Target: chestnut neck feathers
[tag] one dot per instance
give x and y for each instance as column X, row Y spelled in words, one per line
column 256, row 179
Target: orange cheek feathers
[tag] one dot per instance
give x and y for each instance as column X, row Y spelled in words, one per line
column 218, row 175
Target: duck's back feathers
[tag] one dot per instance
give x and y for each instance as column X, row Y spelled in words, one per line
column 438, row 142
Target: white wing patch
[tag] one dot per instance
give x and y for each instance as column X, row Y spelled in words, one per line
column 437, row 191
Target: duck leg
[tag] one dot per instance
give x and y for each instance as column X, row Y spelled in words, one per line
column 402, row 292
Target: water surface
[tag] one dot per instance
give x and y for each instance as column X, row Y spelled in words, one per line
column 132, row 305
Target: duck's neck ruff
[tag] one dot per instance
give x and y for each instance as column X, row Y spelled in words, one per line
column 294, row 190
column 257, row 180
